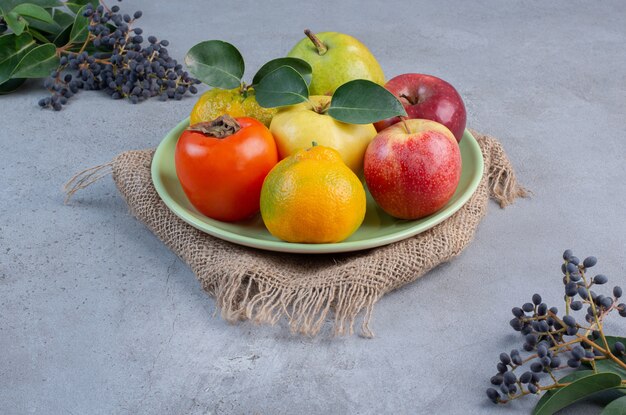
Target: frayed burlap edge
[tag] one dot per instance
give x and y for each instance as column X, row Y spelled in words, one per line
column 307, row 290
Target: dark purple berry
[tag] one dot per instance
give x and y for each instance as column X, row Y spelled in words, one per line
column 493, row 395
column 569, row 320
column 600, row 279
column 497, row 379
column 590, row 261
column 509, row 378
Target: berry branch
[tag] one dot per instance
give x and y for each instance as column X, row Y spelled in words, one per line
column 113, row 59
column 554, row 339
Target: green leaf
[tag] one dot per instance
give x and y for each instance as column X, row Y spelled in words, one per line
column 363, row 102
column 283, row 86
column 12, row 49
column 76, row 5
column 62, row 19
column 80, row 27
column 46, row 4
column 578, row 389
column 63, row 37
column 37, row 35
column 15, row 22
column 10, row 86
column 34, row 11
column 52, row 28
column 611, row 340
column 302, row 67
column 617, row 407
column 609, row 366
column 216, row 63
column 38, row 63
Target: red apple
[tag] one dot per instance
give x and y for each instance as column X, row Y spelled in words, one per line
column 430, row 98
column 413, row 168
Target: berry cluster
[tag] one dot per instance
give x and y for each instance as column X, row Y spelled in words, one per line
column 121, row 65
column 558, row 342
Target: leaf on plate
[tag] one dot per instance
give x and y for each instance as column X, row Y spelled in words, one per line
column 281, row 87
column 364, row 102
column 557, row 399
column 301, row 66
column 216, row 63
column 12, row 50
column 34, row 11
column 80, row 28
column 617, row 407
column 37, row 63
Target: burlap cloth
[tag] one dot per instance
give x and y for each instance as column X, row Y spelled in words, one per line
column 307, row 290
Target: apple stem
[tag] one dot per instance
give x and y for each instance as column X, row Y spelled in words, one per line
column 320, row 109
column 406, row 126
column 411, row 101
column 319, row 45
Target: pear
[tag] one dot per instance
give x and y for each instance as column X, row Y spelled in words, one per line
column 336, row 58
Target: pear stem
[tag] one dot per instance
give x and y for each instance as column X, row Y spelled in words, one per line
column 319, row 45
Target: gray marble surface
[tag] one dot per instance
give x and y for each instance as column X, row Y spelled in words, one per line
column 98, row 317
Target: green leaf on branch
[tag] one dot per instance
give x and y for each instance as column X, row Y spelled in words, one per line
column 299, row 65
column 46, row 4
column 80, row 28
column 63, row 19
column 15, row 22
column 12, row 50
column 611, row 340
column 216, row 63
column 364, row 102
column 51, row 28
column 582, row 387
column 63, row 37
column 38, row 63
column 34, row 11
column 76, row 5
column 281, row 87
column 10, row 85
column 617, row 407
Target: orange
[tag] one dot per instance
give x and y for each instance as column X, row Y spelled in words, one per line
column 312, row 197
column 234, row 102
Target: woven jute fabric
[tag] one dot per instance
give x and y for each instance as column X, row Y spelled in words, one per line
column 309, row 291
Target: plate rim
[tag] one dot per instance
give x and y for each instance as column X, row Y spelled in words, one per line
column 301, row 248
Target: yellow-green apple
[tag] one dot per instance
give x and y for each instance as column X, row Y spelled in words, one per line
column 430, row 98
column 413, row 168
column 296, row 126
column 336, row 58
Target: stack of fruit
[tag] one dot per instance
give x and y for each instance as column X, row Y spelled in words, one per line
column 296, row 141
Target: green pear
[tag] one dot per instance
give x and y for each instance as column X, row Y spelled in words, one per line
column 336, row 58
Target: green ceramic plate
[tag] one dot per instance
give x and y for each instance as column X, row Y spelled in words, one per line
column 377, row 229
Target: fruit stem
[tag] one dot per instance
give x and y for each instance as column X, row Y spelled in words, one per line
column 320, row 109
column 406, row 126
column 243, row 90
column 411, row 101
column 319, row 45
column 221, row 127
